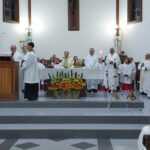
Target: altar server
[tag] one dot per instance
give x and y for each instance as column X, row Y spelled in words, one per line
column 31, row 74
column 126, row 75
column 91, row 62
column 112, row 63
column 16, row 55
column 144, row 67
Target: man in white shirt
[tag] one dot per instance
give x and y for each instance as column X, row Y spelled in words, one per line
column 91, row 62
column 112, row 63
column 31, row 74
column 16, row 56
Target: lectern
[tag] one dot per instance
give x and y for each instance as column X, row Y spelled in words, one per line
column 8, row 78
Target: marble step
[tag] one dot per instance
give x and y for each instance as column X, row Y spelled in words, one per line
column 72, row 116
column 73, row 104
column 74, row 119
column 113, row 131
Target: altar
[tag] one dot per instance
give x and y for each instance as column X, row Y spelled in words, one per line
column 44, row 74
column 87, row 74
column 94, row 74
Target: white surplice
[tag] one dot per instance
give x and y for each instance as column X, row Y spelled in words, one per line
column 126, row 69
column 30, row 67
column 91, row 62
column 18, row 57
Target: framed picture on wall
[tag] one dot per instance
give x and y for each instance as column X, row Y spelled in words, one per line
column 11, row 11
column 135, row 11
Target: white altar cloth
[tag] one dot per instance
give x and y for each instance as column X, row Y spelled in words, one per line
column 87, row 73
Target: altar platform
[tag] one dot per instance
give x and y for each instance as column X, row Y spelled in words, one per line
column 78, row 118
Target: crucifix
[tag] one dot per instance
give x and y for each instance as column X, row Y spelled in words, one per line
column 73, row 15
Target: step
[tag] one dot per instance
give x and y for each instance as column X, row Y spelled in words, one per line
column 71, row 116
column 38, row 131
column 73, row 104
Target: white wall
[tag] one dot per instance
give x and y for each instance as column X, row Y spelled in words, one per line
column 50, row 27
column 13, row 33
column 136, row 37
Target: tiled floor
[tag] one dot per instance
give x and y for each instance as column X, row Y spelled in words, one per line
column 68, row 144
column 72, row 144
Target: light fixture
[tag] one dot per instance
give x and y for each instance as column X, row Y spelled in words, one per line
column 101, row 53
column 118, row 40
column 117, row 31
column 29, row 34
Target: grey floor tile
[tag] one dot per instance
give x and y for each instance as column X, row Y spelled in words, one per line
column 26, row 146
column 7, row 144
column 57, row 139
column 104, row 144
column 124, row 144
column 83, row 145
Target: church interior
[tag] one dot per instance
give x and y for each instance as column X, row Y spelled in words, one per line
column 74, row 75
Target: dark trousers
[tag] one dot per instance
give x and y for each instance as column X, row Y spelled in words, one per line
column 31, row 91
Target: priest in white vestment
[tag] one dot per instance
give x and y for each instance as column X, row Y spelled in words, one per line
column 144, row 67
column 112, row 63
column 16, row 55
column 91, row 62
column 31, row 74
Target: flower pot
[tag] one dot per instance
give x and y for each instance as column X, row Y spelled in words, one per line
column 70, row 94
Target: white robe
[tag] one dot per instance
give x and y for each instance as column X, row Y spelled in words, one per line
column 126, row 69
column 144, row 67
column 30, row 67
column 57, row 66
column 101, row 66
column 40, row 66
column 91, row 62
column 18, row 57
column 112, row 72
column 134, row 70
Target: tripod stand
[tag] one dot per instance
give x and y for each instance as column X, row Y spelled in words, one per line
column 113, row 93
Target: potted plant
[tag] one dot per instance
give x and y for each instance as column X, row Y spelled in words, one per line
column 66, row 85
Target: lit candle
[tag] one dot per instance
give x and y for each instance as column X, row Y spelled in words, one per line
column 101, row 53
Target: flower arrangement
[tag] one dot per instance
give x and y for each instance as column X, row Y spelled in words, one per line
column 66, row 85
